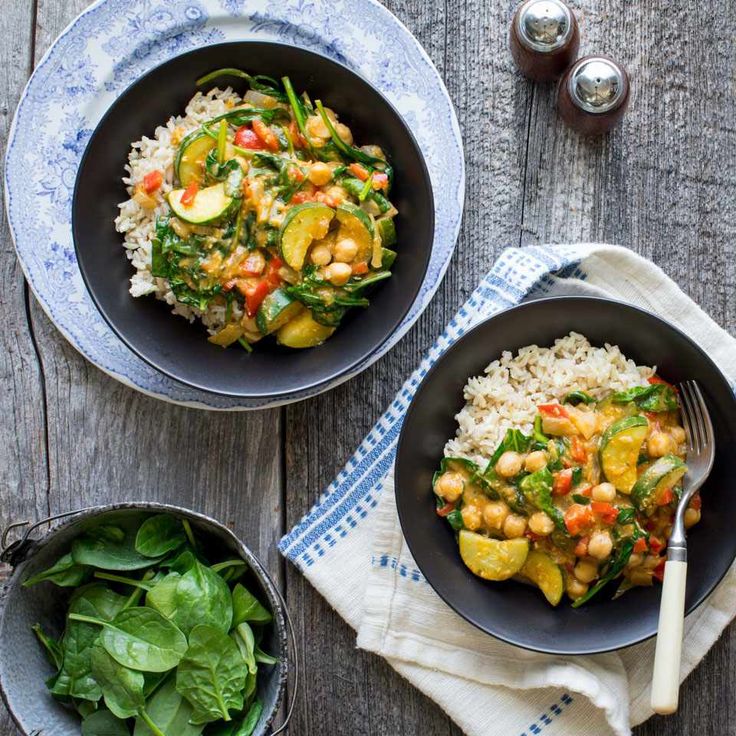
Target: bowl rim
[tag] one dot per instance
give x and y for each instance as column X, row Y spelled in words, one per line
column 405, row 522
column 254, row 564
column 333, row 375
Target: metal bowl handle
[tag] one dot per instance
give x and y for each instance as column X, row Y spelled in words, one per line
column 292, row 636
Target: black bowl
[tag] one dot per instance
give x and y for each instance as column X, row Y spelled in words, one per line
column 168, row 342
column 23, row 665
column 515, row 612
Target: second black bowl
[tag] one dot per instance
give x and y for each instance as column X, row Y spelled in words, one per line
column 513, row 611
column 168, row 342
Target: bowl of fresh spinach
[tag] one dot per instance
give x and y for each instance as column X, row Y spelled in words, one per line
column 141, row 619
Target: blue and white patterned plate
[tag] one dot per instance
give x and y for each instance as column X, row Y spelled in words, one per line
column 116, row 41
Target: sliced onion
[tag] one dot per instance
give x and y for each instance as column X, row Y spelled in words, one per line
column 258, row 99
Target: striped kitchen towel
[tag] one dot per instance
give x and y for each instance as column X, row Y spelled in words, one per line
column 350, row 546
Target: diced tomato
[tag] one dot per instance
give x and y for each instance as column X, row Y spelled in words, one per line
column 230, row 285
column 562, row 482
column 328, row 199
column 246, row 137
column 380, row 181
column 657, row 379
column 553, row 410
column 152, row 181
column 608, row 512
column 696, row 502
column 252, row 265
column 581, row 548
column 577, row 518
column 656, row 545
column 668, row 496
column 577, row 450
column 303, row 196
column 267, row 136
column 272, row 271
column 447, row 509
column 296, row 137
column 640, row 545
column 359, row 171
column 659, row 570
column 587, row 491
column 360, row 268
column 255, row 292
column 187, row 199
column 296, row 174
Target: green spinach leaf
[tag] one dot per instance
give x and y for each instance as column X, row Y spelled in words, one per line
column 110, row 548
column 656, row 397
column 170, row 712
column 104, row 723
column 54, row 650
column 247, row 608
column 159, row 535
column 122, row 688
column 537, row 489
column 65, row 573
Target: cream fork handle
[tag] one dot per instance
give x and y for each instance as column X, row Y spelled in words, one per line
column 666, row 677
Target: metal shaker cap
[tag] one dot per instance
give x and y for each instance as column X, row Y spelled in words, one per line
column 597, row 84
column 544, row 25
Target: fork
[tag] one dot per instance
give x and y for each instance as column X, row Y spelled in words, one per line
column 700, row 456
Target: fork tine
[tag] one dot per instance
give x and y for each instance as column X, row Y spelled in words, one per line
column 688, row 419
column 698, row 410
column 705, row 414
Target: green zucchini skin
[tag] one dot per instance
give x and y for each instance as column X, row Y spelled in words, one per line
column 662, row 474
column 618, row 460
column 276, row 310
column 190, row 157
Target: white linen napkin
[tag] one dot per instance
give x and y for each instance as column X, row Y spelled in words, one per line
column 350, row 545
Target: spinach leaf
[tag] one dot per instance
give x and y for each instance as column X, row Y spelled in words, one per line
column 613, row 570
column 514, row 440
column 141, row 639
column 211, row 675
column 159, row 535
column 537, row 489
column 54, row 650
column 170, row 712
column 64, row 572
column 455, row 519
column 110, row 548
column 247, row 608
column 540, row 438
column 656, row 397
column 250, row 721
column 104, row 723
column 579, row 498
column 199, row 596
column 122, row 688
column 578, row 397
column 626, row 515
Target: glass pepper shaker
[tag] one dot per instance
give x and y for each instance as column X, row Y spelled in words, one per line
column 593, row 94
column 544, row 38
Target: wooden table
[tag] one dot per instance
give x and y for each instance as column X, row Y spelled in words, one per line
column 663, row 184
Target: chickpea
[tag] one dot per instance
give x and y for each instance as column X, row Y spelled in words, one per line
column 514, row 526
column 586, row 571
column 600, row 545
column 635, row 560
column 660, row 444
column 449, row 486
column 541, row 524
column 535, row 461
column 316, row 127
column 320, row 255
column 320, row 174
column 495, row 513
column 338, row 273
column 604, row 492
column 471, row 517
column 345, row 133
column 575, row 588
column 345, row 250
column 692, row 517
column 509, row 464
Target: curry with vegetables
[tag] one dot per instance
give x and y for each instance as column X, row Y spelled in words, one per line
column 587, row 498
column 275, row 216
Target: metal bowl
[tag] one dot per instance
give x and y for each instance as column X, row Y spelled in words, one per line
column 23, row 665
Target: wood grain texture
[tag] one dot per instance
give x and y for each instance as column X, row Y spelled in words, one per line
column 664, row 183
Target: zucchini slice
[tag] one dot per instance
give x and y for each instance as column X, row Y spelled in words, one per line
column 356, row 225
column 655, row 480
column 388, row 257
column 492, row 559
column 209, row 204
column 189, row 162
column 276, row 310
column 387, row 231
column 303, row 224
column 229, row 334
column 620, row 446
column 303, row 332
column 545, row 573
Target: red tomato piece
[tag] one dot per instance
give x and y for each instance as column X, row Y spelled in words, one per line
column 447, row 509
column 608, row 512
column 656, row 545
column 255, row 292
column 187, row 199
column 577, row 450
column 380, row 181
column 553, row 410
column 696, row 502
column 577, row 518
column 659, row 570
column 245, row 137
column 668, row 496
column 272, row 271
column 360, row 268
column 359, row 171
column 301, row 197
column 562, row 482
column 581, row 548
column 640, row 545
column 152, row 181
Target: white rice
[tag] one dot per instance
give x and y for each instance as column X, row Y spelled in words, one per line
column 137, row 223
column 508, row 394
